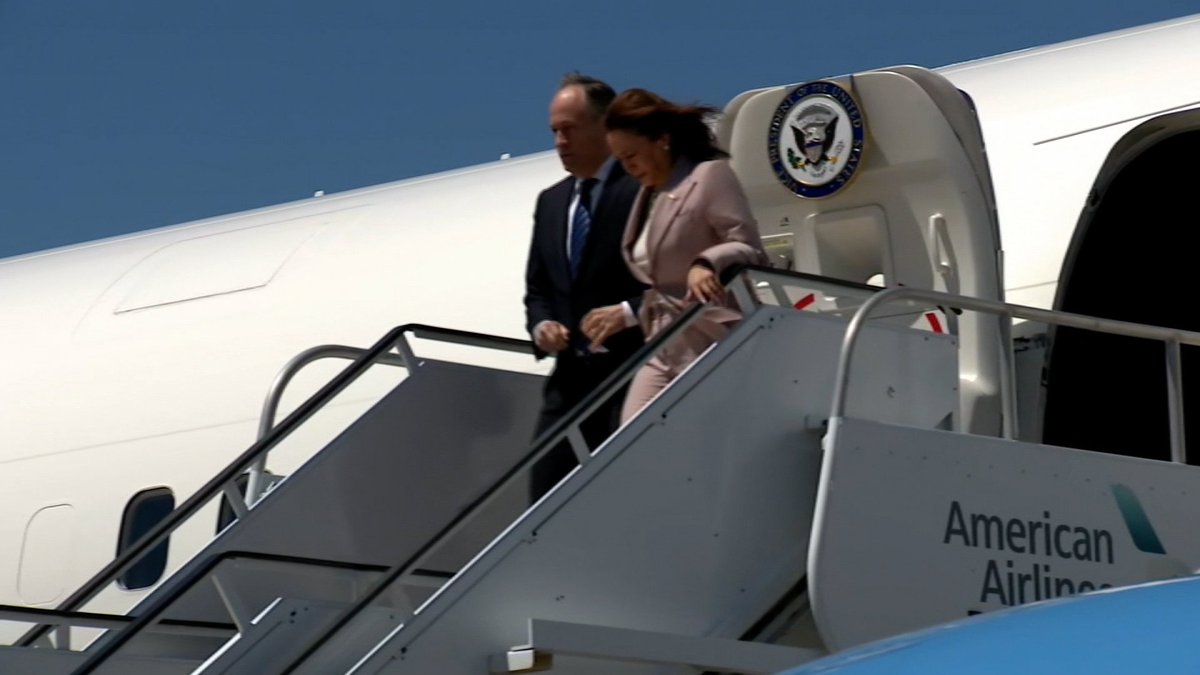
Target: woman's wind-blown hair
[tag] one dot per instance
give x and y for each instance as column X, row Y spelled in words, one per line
column 649, row 115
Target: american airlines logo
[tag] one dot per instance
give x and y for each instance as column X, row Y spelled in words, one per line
column 1011, row 580
column 1028, row 548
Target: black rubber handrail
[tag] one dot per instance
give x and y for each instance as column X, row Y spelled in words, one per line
column 798, row 276
column 11, row 612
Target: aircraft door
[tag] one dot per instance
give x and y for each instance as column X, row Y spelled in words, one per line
column 881, row 175
column 1131, row 258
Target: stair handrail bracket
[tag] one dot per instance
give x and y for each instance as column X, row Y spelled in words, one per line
column 225, row 482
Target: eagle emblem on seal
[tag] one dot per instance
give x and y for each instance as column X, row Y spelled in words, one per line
column 815, row 135
column 816, row 139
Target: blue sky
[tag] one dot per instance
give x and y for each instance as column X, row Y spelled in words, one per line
column 123, row 115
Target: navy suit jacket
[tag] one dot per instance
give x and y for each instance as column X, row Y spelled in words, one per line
column 604, row 278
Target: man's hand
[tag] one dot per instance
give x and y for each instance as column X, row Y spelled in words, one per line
column 703, row 284
column 602, row 323
column 551, row 337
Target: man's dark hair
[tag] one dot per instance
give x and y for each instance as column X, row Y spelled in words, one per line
column 599, row 94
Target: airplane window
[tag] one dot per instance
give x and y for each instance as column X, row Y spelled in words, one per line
column 144, row 511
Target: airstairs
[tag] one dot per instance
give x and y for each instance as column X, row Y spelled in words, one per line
column 737, row 524
column 415, row 516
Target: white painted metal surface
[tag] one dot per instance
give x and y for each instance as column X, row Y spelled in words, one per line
column 926, row 526
column 918, row 212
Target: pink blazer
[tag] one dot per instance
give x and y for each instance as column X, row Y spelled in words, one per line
column 705, row 215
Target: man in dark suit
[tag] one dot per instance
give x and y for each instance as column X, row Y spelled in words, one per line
column 575, row 269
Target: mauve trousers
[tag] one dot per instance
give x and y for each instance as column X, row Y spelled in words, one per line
column 659, row 371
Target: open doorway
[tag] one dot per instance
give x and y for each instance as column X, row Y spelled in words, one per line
column 1132, row 259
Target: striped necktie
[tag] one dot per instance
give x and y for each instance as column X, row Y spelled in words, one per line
column 580, row 224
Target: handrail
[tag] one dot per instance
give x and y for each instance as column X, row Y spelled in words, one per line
column 811, row 280
column 255, row 485
column 270, row 408
column 229, row 474
column 773, row 277
column 470, row 339
column 137, row 624
column 14, row 613
column 1171, row 337
column 565, row 429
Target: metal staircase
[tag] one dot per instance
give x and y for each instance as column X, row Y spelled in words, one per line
column 654, row 541
column 381, row 488
column 720, row 520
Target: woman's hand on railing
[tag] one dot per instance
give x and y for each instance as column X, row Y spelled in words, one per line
column 703, row 284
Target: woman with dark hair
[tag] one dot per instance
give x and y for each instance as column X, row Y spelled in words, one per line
column 689, row 222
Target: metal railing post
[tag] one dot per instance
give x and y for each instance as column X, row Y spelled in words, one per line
column 1175, row 402
column 1011, row 421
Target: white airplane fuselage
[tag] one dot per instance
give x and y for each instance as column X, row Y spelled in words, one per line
column 141, row 361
